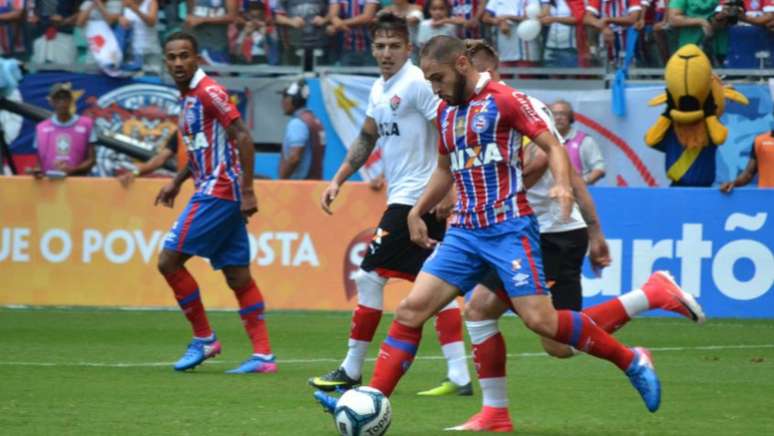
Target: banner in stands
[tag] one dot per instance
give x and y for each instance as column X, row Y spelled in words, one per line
column 140, row 112
column 629, row 161
column 91, row 242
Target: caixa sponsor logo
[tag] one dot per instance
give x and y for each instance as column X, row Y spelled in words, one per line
column 739, row 258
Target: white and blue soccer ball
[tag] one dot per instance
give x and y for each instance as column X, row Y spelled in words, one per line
column 363, row 411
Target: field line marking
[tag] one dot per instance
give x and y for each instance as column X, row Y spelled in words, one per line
column 334, row 360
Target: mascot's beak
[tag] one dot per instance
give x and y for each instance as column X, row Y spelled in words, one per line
column 686, row 117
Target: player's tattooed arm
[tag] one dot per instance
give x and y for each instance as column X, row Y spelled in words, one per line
column 363, row 146
column 356, row 157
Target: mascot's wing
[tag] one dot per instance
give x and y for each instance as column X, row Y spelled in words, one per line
column 734, row 95
column 717, row 131
column 658, row 100
column 657, row 131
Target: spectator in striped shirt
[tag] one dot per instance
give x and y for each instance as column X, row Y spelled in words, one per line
column 611, row 18
column 12, row 41
column 351, row 19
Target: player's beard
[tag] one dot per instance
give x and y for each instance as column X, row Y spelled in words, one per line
column 459, row 89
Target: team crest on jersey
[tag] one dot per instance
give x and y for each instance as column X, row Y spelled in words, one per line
column 480, row 123
column 395, row 102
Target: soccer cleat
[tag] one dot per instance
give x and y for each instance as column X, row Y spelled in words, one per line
column 255, row 364
column 494, row 419
column 328, row 402
column 664, row 293
column 448, row 387
column 197, row 352
column 337, row 378
column 643, row 376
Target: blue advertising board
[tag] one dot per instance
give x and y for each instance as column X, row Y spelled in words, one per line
column 718, row 246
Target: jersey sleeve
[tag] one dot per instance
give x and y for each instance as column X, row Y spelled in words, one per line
column 370, row 108
column 217, row 104
column 426, row 102
column 523, row 116
column 768, row 6
column 634, row 6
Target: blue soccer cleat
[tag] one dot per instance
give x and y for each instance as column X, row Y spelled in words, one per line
column 198, row 351
column 327, row 401
column 643, row 376
column 255, row 364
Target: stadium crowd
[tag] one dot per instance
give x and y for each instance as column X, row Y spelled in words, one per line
column 734, row 33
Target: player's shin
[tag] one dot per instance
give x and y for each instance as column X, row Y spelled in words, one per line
column 395, row 356
column 189, row 299
column 448, row 326
column 579, row 331
column 489, row 356
column 365, row 320
column 252, row 313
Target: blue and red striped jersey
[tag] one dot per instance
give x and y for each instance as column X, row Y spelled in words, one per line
column 482, row 138
column 206, row 112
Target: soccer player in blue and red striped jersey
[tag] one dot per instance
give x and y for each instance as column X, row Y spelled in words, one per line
column 481, row 124
column 213, row 224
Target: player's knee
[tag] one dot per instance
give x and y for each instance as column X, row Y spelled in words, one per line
column 474, row 312
column 538, row 322
column 370, row 289
column 166, row 264
column 237, row 279
column 410, row 314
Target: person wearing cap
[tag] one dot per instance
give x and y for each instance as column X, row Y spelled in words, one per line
column 65, row 142
column 304, row 141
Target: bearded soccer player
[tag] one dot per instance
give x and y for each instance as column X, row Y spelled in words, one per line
column 563, row 245
column 213, row 224
column 482, row 124
column 399, row 117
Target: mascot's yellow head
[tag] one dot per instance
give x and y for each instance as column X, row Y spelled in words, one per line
column 695, row 99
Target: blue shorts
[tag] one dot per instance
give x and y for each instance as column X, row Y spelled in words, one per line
column 213, row 228
column 512, row 248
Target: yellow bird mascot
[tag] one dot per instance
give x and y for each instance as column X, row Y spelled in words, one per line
column 689, row 130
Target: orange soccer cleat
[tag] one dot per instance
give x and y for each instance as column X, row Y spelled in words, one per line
column 494, row 419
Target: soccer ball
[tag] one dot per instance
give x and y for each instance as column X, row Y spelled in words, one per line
column 363, row 411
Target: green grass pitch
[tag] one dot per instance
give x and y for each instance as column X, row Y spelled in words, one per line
column 80, row 371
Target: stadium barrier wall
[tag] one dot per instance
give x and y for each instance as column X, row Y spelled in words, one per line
column 91, row 242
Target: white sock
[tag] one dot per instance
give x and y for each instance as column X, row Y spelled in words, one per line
column 634, row 302
column 264, row 356
column 480, row 331
column 457, row 363
column 205, row 338
column 353, row 363
column 494, row 391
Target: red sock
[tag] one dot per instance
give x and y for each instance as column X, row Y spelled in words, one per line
column 395, row 356
column 188, row 298
column 251, row 311
column 489, row 357
column 609, row 316
column 578, row 330
column 448, row 325
column 365, row 320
